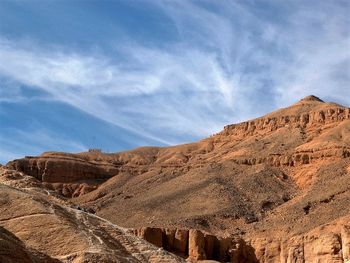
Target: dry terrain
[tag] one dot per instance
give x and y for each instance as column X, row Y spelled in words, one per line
column 272, row 189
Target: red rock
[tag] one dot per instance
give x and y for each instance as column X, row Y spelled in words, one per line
column 152, row 235
column 169, row 239
column 181, row 241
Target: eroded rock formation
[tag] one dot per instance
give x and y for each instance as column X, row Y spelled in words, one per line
column 325, row 244
column 63, row 168
column 196, row 245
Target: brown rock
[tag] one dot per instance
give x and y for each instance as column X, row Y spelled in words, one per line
column 12, row 249
column 324, row 244
column 36, row 228
column 152, row 235
column 326, row 248
column 225, row 249
column 169, row 239
column 211, row 246
column 63, row 168
column 196, row 245
column 345, row 237
column 181, row 241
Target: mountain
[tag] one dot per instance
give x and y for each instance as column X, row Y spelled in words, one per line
column 275, row 189
column 38, row 226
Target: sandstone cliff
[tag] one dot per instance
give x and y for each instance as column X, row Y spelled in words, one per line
column 328, row 243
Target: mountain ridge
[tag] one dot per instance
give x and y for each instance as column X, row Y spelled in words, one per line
column 284, row 174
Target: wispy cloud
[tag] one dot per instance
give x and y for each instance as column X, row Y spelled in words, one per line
column 232, row 61
column 154, row 90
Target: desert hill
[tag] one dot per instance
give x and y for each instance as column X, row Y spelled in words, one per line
column 278, row 183
column 37, row 226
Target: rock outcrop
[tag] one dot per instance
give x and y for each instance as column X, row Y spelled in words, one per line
column 34, row 227
column 197, row 245
column 325, row 244
column 63, row 168
column 299, row 157
column 319, row 116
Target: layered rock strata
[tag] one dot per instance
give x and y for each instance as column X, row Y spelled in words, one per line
column 307, row 120
column 324, row 244
column 63, row 168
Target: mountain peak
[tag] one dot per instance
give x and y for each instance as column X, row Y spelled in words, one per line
column 311, row 98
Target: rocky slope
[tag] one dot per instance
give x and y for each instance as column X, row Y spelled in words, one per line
column 277, row 187
column 36, row 226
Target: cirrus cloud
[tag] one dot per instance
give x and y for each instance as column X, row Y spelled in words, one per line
column 230, row 61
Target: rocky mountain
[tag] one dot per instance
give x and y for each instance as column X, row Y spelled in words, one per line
column 36, row 225
column 272, row 189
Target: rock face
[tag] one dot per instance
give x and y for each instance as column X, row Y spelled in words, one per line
column 68, row 174
column 325, row 244
column 13, row 250
column 196, row 245
column 36, row 228
column 345, row 237
column 190, row 243
column 63, row 168
column 316, row 117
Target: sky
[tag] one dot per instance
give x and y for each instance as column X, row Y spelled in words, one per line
column 121, row 74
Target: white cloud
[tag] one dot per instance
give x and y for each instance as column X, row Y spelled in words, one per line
column 87, row 83
column 230, row 65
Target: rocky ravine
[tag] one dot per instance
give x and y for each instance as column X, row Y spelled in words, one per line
column 273, row 189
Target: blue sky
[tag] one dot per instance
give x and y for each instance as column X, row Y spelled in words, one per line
column 120, row 74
